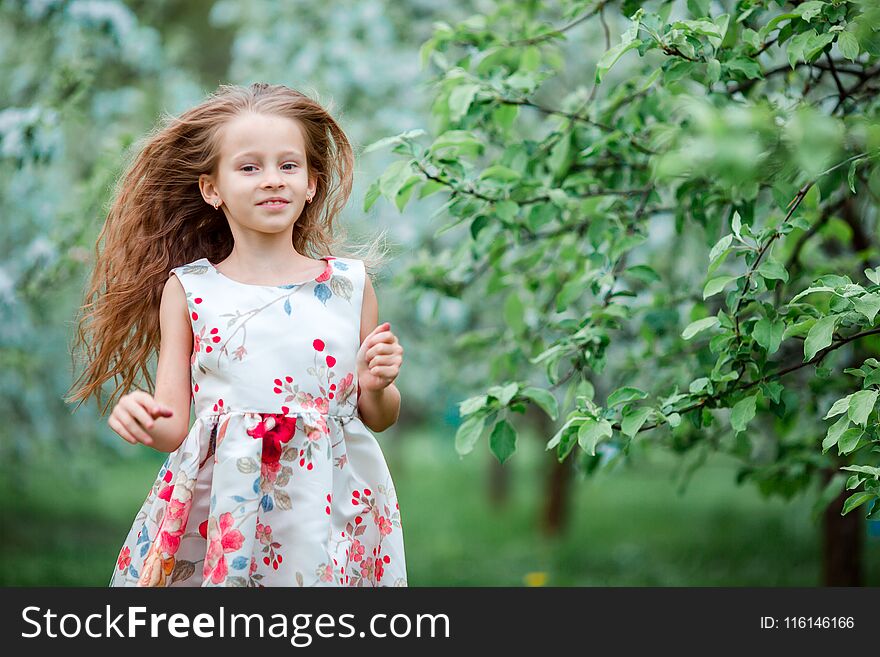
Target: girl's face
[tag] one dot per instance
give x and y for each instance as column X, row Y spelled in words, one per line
column 261, row 157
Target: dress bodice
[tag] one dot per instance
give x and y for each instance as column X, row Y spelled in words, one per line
column 287, row 349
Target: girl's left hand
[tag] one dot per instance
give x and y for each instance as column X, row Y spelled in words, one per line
column 379, row 359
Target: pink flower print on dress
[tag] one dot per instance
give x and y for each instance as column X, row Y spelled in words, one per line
column 356, row 552
column 384, row 526
column 222, row 538
column 367, row 568
column 173, row 524
column 325, row 572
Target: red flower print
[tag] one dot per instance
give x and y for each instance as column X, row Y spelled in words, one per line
column 357, row 550
column 223, row 538
column 367, row 568
column 327, row 273
column 218, row 407
column 203, row 529
column 165, row 492
column 384, row 526
column 380, row 569
column 274, row 430
column 124, row 558
column 331, row 361
column 318, row 344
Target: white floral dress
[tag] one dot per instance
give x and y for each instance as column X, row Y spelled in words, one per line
column 278, row 481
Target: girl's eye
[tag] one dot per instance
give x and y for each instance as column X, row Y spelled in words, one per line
column 253, row 167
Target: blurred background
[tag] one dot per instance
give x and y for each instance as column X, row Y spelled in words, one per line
column 81, row 81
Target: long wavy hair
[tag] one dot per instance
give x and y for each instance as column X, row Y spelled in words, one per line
column 159, row 220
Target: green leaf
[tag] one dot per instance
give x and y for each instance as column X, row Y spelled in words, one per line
column 642, row 273
column 811, row 290
column 774, row 270
column 544, row 399
column 625, row 394
column 772, row 23
column 468, row 433
column 815, row 45
column 458, row 143
column 504, row 393
column 700, row 325
column 607, row 60
column 500, row 173
column 393, row 178
column 716, row 285
column 768, row 334
column 742, row 413
column 856, row 500
column 591, row 432
column 866, row 469
column 835, row 431
column 797, row 45
column 849, row 48
column 514, row 311
column 820, row 336
column 405, row 191
column 809, row 10
column 868, row 304
column 861, row 404
column 460, row 100
column 633, row 419
column 720, row 247
column 396, row 139
column 373, row 193
column 736, row 225
column 840, row 406
column 851, row 176
column 502, row 441
column 848, row 441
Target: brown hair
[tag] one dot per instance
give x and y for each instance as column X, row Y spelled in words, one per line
column 159, row 220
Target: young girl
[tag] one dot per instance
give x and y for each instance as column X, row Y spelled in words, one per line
column 279, row 480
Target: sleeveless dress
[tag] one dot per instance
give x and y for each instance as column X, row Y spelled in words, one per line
column 278, row 481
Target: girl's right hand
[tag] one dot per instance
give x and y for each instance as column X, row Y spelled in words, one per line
column 133, row 413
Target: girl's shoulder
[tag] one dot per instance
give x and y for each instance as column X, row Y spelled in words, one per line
column 199, row 266
column 346, row 264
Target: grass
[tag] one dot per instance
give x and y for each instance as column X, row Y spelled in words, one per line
column 626, row 528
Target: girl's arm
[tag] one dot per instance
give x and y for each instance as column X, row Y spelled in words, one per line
column 378, row 398
column 173, row 371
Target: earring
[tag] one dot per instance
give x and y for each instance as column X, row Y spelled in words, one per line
column 216, row 204
column 308, row 199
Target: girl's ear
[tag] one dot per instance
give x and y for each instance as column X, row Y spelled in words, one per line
column 206, row 186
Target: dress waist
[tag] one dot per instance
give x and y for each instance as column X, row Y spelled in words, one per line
column 305, row 413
